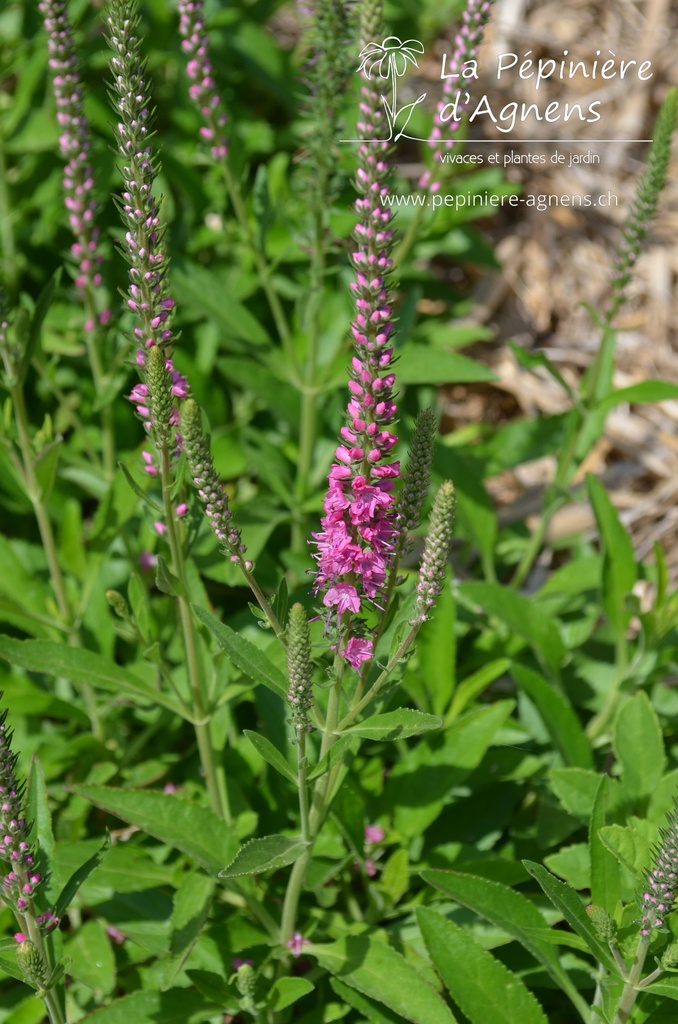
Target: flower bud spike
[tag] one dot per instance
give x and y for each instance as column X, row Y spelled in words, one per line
column 299, row 695
column 417, row 474
column 436, row 552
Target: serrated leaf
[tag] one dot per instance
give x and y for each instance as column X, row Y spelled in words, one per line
column 178, row 1006
column 286, row 991
column 370, row 1009
column 267, row 854
column 271, row 755
column 194, row 830
column 244, row 655
column 73, row 884
column 568, row 902
column 373, row 968
column 631, row 848
column 509, row 910
column 395, row 878
column 576, row 789
column 395, row 725
column 485, row 990
column 81, row 666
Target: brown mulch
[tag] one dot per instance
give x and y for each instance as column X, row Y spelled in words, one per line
column 556, row 260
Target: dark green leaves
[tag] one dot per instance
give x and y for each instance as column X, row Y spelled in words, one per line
column 191, row 829
column 267, row 854
column 248, row 658
column 395, row 725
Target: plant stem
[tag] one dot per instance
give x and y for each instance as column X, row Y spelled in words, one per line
column 302, row 767
column 33, row 491
column 217, row 795
column 630, row 992
column 52, row 1001
column 6, row 230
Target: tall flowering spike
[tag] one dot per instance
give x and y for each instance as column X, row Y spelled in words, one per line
column 644, row 206
column 662, row 881
column 355, row 546
column 326, row 72
column 299, row 667
column 162, row 412
column 207, row 484
column 144, row 247
column 455, row 97
column 20, row 882
column 416, row 476
column 203, row 90
column 74, row 145
column 436, row 552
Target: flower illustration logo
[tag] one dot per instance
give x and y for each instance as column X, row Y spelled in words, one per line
column 389, row 60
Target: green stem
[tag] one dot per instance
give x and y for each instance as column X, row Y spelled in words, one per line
column 302, row 768
column 358, row 705
column 33, row 490
column 630, row 992
column 6, row 230
column 201, row 726
column 51, row 998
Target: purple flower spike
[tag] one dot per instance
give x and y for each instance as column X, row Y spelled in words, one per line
column 355, row 546
column 74, row 146
column 466, row 46
column 195, row 44
column 662, row 881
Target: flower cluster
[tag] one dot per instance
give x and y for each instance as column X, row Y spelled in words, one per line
column 207, row 484
column 22, row 879
column 203, row 92
column 466, row 45
column 662, row 881
column 436, row 552
column 74, row 145
column 355, row 546
column 144, row 250
column 299, row 695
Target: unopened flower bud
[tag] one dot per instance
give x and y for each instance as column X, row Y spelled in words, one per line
column 32, row 965
column 603, row 925
column 299, row 695
column 436, row 552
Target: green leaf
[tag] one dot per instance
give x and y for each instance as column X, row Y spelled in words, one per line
column 178, row 1006
column 376, row 970
column 333, row 756
column 45, row 300
column 436, row 652
column 509, row 910
column 606, row 882
column 92, row 957
column 192, row 904
column 420, row 365
column 81, row 666
column 519, row 613
column 191, row 829
column 558, row 717
column 166, row 581
column 475, row 508
column 530, row 360
column 568, row 902
column 37, row 811
column 202, row 291
column 632, row 849
column 395, row 878
column 265, row 854
column 271, row 755
column 73, row 884
column 619, row 565
column 573, row 863
column 646, row 391
column 370, row 1009
column 639, row 748
column 485, row 990
column 244, row 655
column 576, row 789
column 286, row 991
column 474, row 684
column 395, row 725
column 140, row 493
